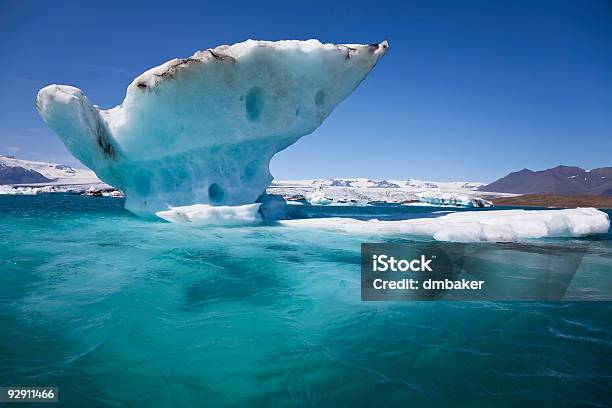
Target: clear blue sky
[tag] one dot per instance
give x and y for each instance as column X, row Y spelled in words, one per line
column 469, row 90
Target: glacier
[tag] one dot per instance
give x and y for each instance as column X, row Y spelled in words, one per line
column 202, row 130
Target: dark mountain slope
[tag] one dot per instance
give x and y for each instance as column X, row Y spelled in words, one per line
column 567, row 180
column 19, row 175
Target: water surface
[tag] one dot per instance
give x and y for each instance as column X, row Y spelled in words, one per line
column 120, row 311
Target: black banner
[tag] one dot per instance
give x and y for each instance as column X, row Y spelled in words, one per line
column 496, row 272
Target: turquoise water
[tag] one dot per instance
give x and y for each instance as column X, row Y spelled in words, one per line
column 120, row 311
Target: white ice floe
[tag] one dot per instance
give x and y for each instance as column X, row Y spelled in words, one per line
column 203, row 214
column 113, row 193
column 202, row 130
column 10, row 190
column 54, row 188
column 474, row 226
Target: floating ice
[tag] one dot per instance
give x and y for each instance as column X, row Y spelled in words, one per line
column 202, row 130
column 452, row 199
column 10, row 190
column 203, row 214
column 318, row 198
column 474, row 226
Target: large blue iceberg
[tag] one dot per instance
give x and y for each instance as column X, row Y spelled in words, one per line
column 202, row 130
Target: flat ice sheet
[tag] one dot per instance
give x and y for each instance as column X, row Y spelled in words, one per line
column 475, row 226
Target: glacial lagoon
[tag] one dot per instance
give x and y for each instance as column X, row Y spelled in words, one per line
column 117, row 310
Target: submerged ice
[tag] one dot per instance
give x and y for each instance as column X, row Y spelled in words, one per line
column 202, row 130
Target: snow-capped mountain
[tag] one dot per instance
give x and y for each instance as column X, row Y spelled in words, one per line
column 16, row 171
column 364, row 189
column 370, row 183
column 444, row 185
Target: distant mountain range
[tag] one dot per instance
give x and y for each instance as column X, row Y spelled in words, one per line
column 16, row 171
column 19, row 175
column 367, row 190
column 566, row 180
column 410, row 184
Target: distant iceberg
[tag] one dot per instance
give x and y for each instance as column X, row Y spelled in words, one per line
column 10, row 190
column 318, row 197
column 452, row 199
column 202, row 130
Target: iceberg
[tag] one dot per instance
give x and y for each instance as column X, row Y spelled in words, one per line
column 475, row 226
column 318, row 198
column 202, row 130
column 452, row 199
